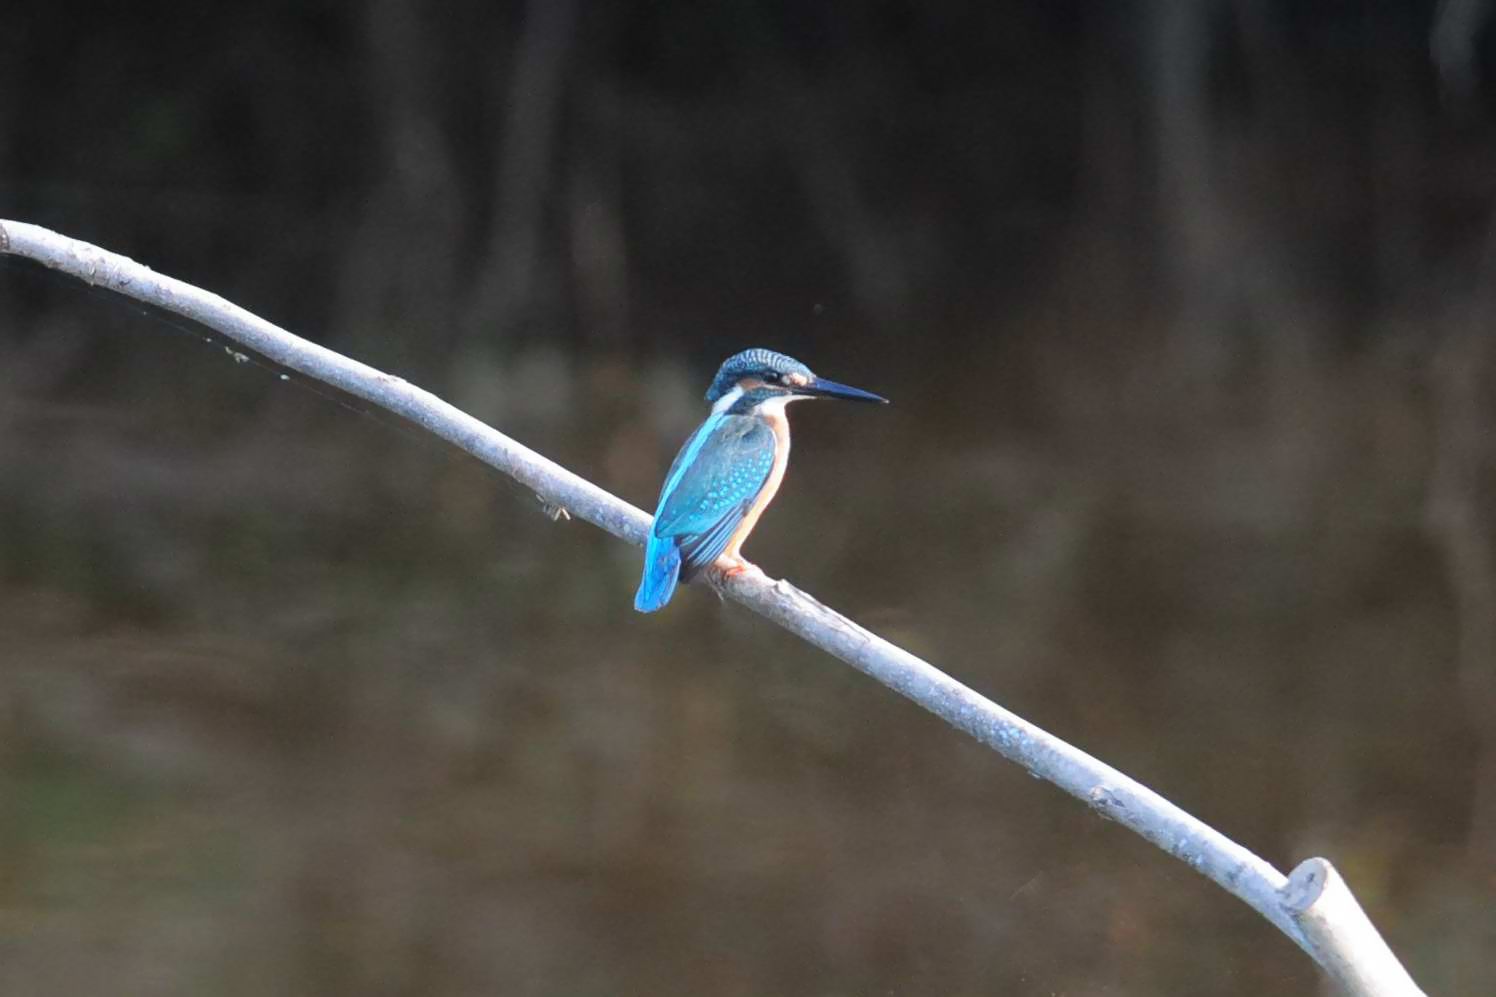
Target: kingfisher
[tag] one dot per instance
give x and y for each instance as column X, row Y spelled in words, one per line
column 728, row 470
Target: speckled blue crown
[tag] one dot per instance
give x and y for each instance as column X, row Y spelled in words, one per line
column 757, row 362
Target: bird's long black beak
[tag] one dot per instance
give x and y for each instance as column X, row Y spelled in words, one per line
column 822, row 388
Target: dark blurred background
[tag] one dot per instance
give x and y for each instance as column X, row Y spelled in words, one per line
column 1187, row 313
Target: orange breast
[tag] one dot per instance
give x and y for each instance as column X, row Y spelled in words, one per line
column 781, row 427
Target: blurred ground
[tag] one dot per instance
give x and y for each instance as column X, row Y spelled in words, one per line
column 309, row 704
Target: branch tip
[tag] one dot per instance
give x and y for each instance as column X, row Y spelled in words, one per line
column 1341, row 937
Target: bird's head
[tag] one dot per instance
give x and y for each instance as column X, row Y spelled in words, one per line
column 765, row 375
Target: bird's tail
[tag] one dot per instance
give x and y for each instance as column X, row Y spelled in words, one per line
column 661, row 572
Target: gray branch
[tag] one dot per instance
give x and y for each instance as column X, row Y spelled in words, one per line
column 1341, row 939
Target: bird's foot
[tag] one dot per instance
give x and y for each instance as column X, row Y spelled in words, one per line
column 726, row 568
column 729, row 566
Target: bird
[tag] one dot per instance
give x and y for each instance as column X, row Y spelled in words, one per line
column 728, row 471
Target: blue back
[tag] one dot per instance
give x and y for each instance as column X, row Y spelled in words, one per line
column 710, row 487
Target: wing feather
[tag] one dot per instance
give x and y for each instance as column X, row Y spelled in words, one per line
column 705, row 500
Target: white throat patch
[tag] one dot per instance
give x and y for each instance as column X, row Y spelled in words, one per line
column 774, row 407
column 726, row 401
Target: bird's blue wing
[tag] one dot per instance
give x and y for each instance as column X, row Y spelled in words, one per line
column 712, row 486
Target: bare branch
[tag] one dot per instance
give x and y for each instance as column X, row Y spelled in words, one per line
column 1099, row 786
column 1341, row 936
